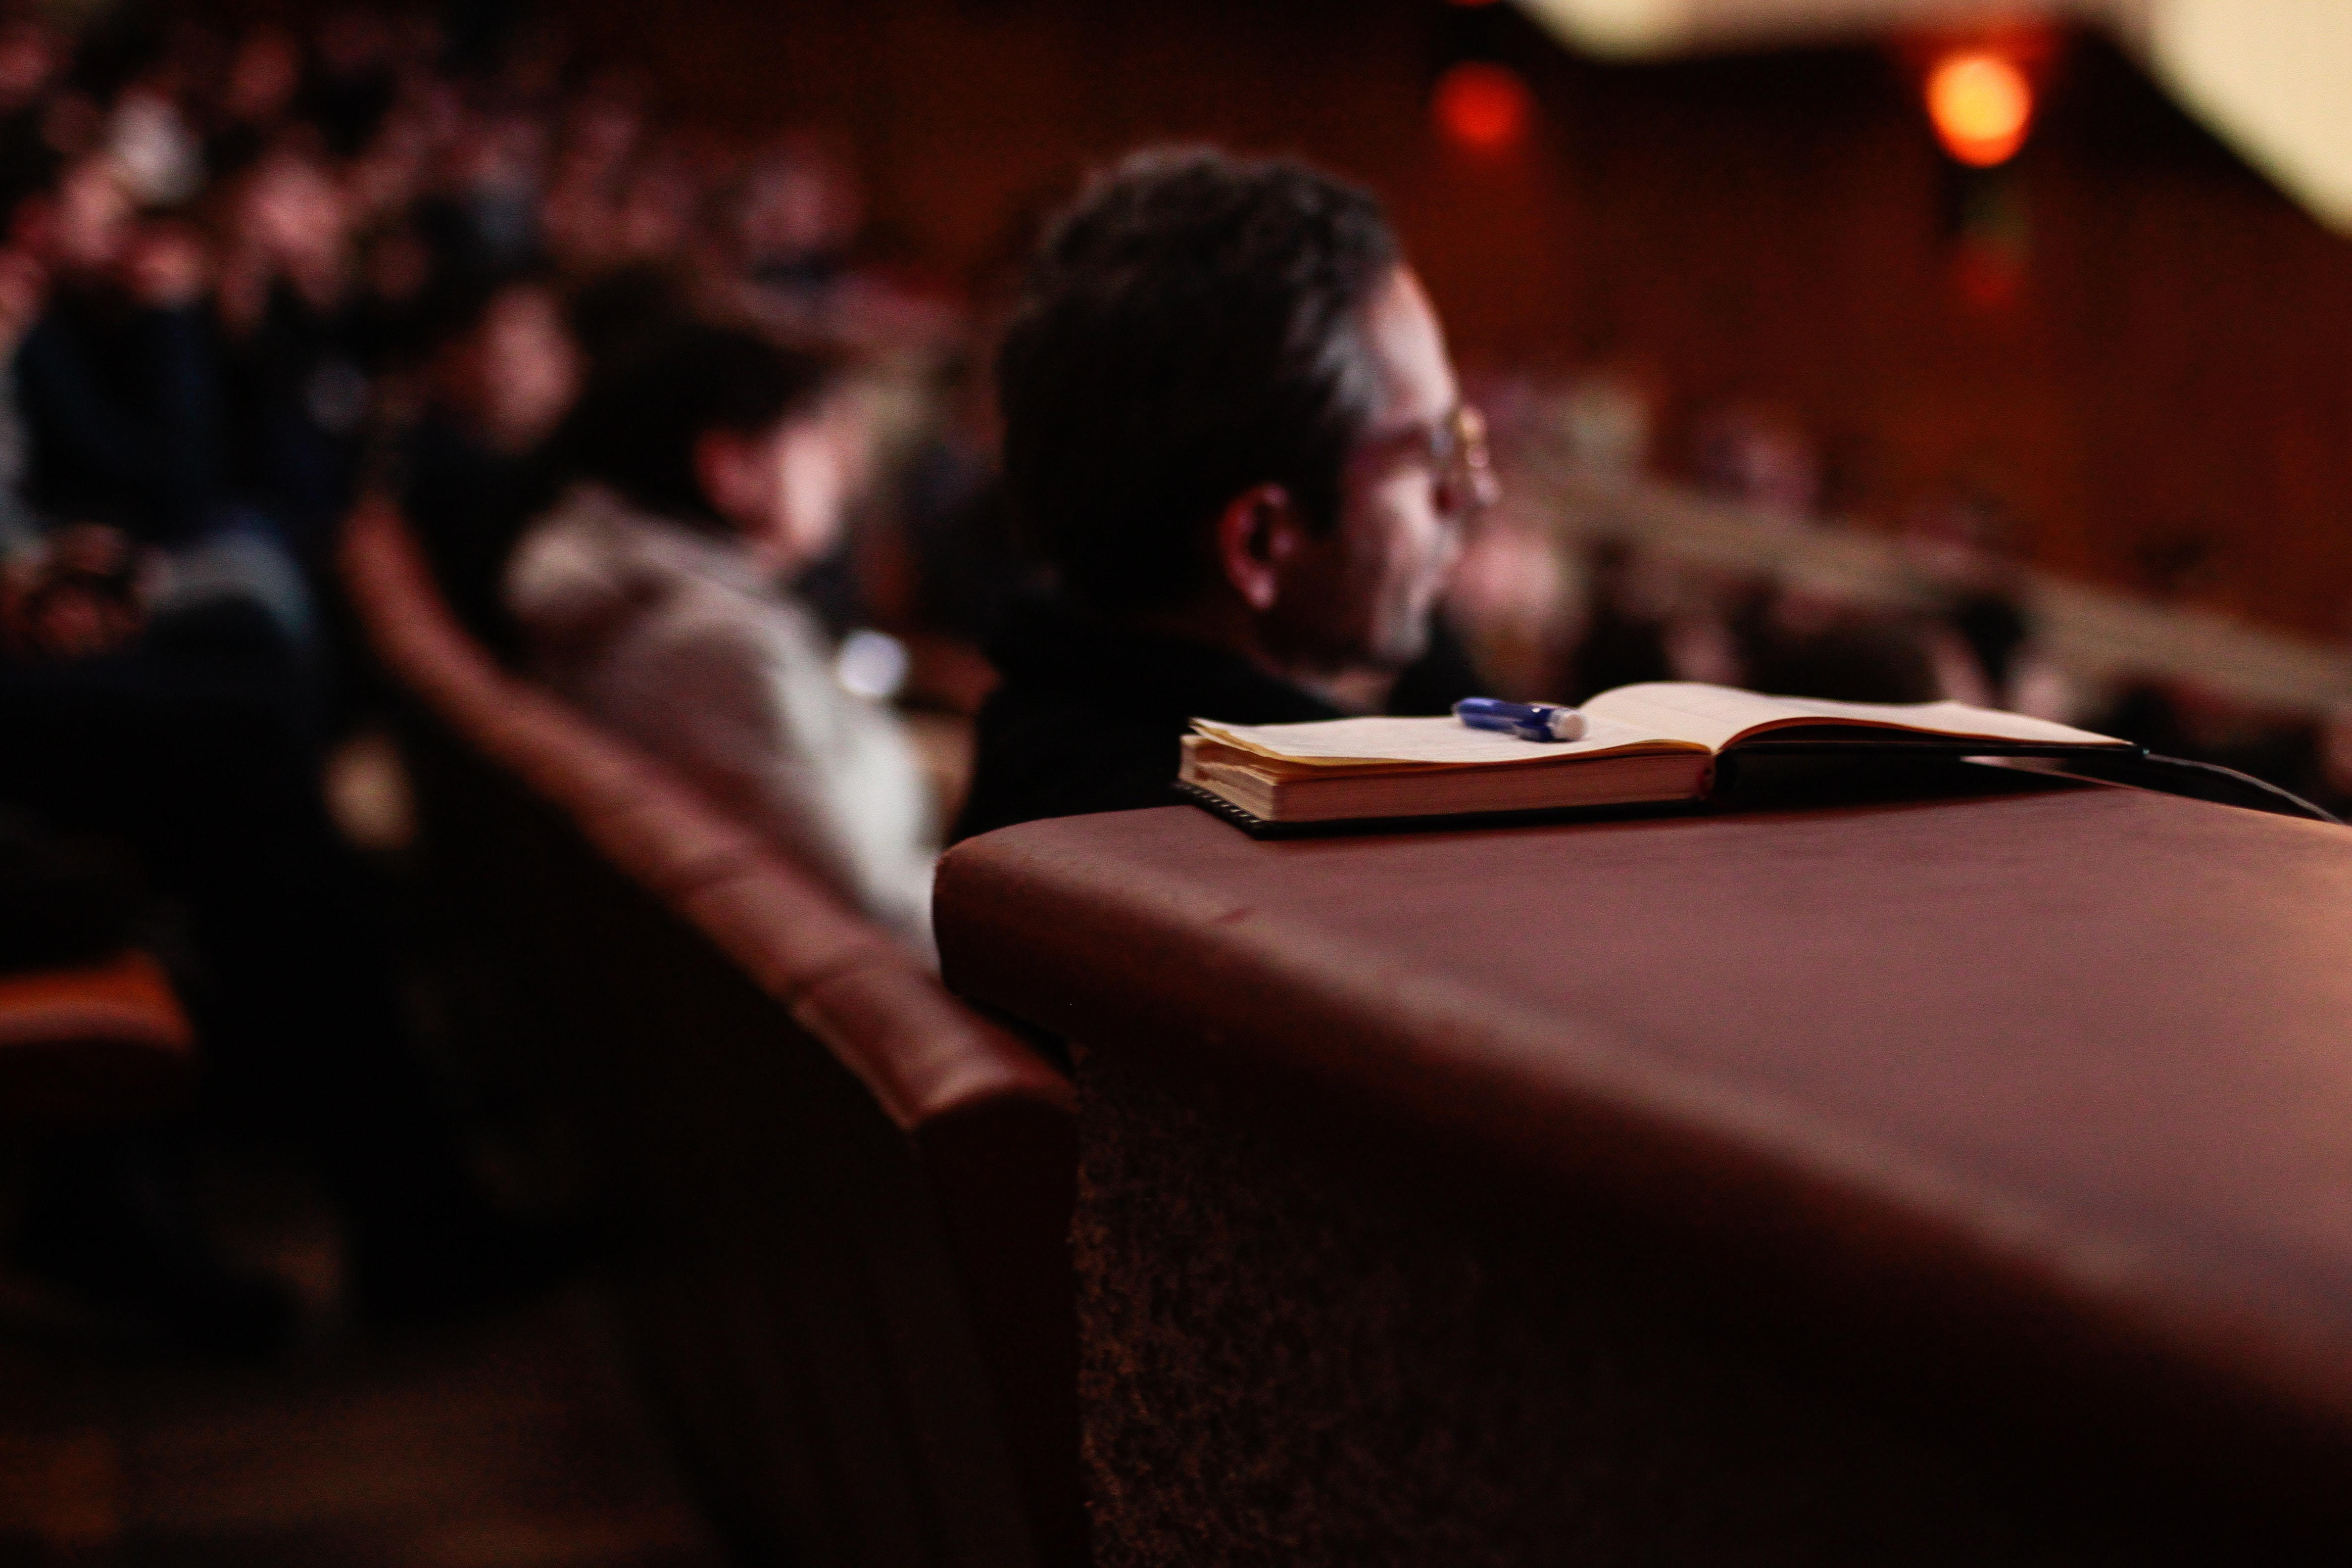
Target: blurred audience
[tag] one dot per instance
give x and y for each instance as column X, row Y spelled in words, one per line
column 1759, row 456
column 240, row 277
column 500, row 369
column 705, row 469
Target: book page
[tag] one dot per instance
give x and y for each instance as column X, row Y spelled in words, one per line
column 1372, row 742
column 1715, row 716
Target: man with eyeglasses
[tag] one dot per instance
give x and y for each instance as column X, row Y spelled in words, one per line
column 1231, row 430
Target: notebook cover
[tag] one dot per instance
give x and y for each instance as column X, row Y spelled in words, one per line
column 2134, row 766
column 1257, row 826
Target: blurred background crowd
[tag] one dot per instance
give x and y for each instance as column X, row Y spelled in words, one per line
column 253, row 269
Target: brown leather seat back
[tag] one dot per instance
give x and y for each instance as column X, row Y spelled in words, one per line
column 840, row 1198
column 95, row 1045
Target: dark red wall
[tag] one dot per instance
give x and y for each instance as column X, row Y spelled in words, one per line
column 2170, row 375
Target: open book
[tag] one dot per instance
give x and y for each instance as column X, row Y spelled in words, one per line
column 1657, row 741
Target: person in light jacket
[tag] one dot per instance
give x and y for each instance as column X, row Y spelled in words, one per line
column 708, row 468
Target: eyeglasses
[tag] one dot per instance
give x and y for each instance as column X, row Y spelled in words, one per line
column 1463, row 461
column 1454, row 448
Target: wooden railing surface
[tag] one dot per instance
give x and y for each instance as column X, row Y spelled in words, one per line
column 1947, row 1169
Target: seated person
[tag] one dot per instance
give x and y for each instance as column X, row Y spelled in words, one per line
column 1230, row 426
column 708, row 468
column 118, row 398
column 500, row 371
column 118, row 381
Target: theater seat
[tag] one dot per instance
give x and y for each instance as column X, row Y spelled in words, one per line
column 839, row 1197
column 92, row 1047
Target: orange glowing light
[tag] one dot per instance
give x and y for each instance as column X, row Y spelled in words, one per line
column 1482, row 107
column 1981, row 104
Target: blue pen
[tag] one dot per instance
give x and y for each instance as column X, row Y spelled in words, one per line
column 1528, row 721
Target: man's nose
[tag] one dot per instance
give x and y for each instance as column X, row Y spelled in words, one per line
column 1485, row 489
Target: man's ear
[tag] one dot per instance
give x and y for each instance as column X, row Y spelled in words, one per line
column 1257, row 533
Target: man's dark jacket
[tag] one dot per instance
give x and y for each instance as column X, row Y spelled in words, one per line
column 1091, row 714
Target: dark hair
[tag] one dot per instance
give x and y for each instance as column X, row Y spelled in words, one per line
column 454, row 303
column 1192, row 326
column 28, row 168
column 636, row 426
column 619, row 313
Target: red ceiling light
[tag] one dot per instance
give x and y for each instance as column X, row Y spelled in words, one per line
column 1982, row 102
column 1482, row 107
